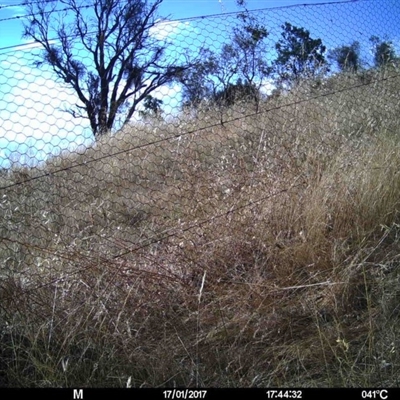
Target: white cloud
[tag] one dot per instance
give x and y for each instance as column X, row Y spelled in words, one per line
column 16, row 11
column 28, row 44
column 32, row 120
column 164, row 28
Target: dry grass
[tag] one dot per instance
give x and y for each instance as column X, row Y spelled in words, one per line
column 261, row 252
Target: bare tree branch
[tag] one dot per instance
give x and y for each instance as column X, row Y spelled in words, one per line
column 106, row 53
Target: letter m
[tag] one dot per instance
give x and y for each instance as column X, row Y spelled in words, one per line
column 78, row 394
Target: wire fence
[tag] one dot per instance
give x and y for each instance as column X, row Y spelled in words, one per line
column 195, row 182
column 163, row 175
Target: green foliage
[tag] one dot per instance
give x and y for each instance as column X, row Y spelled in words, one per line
column 383, row 51
column 152, row 107
column 239, row 68
column 347, row 57
column 248, row 50
column 298, row 54
column 238, row 91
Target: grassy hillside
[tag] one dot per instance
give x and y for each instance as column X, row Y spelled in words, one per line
column 258, row 252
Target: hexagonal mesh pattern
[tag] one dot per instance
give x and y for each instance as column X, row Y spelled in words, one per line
column 211, row 191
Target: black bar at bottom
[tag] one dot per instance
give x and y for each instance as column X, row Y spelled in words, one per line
column 206, row 393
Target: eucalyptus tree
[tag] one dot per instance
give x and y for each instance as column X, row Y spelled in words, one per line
column 108, row 52
column 347, row 57
column 298, row 55
column 383, row 51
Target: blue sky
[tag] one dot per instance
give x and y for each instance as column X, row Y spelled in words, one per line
column 33, row 124
column 10, row 27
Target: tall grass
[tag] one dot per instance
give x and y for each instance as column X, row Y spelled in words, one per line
column 261, row 252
